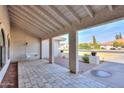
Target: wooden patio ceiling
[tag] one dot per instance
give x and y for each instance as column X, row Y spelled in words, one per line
column 48, row 21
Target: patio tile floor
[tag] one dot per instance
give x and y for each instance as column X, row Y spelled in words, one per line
column 41, row 74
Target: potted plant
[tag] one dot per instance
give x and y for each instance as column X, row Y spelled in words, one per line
column 93, row 53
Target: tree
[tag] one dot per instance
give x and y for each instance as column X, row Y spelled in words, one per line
column 118, row 44
column 96, row 46
column 120, row 36
column 94, row 40
column 84, row 46
column 117, row 36
column 115, row 44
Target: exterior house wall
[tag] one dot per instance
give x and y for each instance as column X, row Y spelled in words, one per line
column 45, row 49
column 5, row 25
column 56, row 48
column 107, row 47
column 21, row 51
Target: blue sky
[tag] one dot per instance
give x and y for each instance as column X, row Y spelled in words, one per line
column 103, row 33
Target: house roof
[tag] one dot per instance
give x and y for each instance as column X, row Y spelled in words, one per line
column 110, row 43
column 46, row 21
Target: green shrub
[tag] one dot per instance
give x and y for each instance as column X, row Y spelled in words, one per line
column 85, row 58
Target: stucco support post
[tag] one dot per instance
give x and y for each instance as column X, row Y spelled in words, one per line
column 73, row 52
column 51, row 58
column 40, row 48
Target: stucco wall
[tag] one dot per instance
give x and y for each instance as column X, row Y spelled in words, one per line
column 21, row 51
column 56, row 48
column 45, row 48
column 5, row 25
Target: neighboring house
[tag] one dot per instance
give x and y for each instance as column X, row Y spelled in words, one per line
column 107, row 45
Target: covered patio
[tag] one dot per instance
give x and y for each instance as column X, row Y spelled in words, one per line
column 47, row 22
column 26, row 27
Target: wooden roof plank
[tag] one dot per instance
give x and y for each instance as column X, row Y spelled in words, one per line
column 89, row 11
column 46, row 14
column 110, row 7
column 27, row 29
column 73, row 13
column 31, row 12
column 23, row 14
column 28, row 21
column 26, row 25
column 60, row 15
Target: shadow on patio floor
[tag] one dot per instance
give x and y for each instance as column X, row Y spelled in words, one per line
column 83, row 67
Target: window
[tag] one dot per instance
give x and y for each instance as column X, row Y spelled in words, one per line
column 2, row 48
column 1, row 38
column 8, row 47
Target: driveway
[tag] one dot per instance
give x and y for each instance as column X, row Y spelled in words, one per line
column 117, row 74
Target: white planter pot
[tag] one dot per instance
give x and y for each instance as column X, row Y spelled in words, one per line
column 94, row 60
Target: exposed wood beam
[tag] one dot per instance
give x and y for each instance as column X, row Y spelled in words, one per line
column 29, row 22
column 47, row 15
column 22, row 23
column 30, row 12
column 60, row 15
column 26, row 29
column 34, row 17
column 31, row 18
column 73, row 13
column 110, row 7
column 89, row 11
column 17, row 20
column 21, row 13
column 29, row 29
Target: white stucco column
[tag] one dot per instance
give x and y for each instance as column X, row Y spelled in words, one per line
column 40, row 48
column 73, row 52
column 51, row 58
